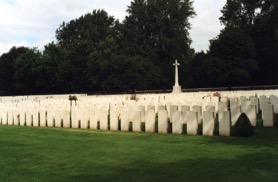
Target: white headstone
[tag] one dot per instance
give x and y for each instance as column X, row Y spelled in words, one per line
column 208, row 123
column 21, row 118
column 250, row 111
column 66, row 119
column 84, row 119
column 255, row 102
column 274, row 102
column 244, row 105
column 222, row 106
column 124, row 120
column 93, row 119
column 35, row 118
column 173, row 109
column 16, row 117
column 150, row 121
column 199, row 111
column 142, row 110
column 57, row 118
column 161, row 107
column 151, row 107
column 135, row 118
column 224, row 123
column 10, row 117
column 114, row 119
column 184, row 111
column 103, row 120
column 177, row 122
column 235, row 113
column 74, row 118
column 28, row 118
column 267, row 115
column 162, row 121
column 4, row 117
column 192, row 123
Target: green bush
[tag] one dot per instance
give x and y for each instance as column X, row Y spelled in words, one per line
column 242, row 127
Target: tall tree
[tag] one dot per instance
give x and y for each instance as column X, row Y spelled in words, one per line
column 236, row 52
column 240, row 13
column 79, row 38
column 50, row 78
column 7, row 61
column 259, row 20
column 26, row 72
column 158, row 31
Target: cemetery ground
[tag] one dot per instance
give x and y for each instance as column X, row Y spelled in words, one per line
column 59, row 154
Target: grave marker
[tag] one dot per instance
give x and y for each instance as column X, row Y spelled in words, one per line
column 224, row 124
column 192, row 122
column 208, row 123
column 177, row 122
column 162, row 121
column 150, row 121
column 267, row 115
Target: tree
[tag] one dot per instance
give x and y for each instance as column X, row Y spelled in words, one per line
column 259, row 20
column 240, row 13
column 157, row 30
column 108, row 70
column 90, row 28
column 78, row 38
column 50, row 78
column 26, row 72
column 237, row 52
column 7, row 61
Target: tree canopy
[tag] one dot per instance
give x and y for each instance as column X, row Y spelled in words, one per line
column 96, row 52
column 245, row 52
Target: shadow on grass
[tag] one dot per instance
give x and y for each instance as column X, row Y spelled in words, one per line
column 264, row 168
column 264, row 137
column 36, row 154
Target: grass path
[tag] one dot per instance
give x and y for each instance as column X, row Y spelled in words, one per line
column 51, row 154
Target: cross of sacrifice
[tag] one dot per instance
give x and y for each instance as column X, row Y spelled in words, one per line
column 176, row 64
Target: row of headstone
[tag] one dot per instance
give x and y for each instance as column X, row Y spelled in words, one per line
column 251, row 105
column 119, row 120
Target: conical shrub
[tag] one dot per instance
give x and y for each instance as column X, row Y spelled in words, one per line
column 243, row 127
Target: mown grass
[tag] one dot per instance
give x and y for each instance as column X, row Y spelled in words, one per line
column 51, row 154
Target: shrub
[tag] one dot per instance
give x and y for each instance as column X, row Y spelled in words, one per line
column 242, row 127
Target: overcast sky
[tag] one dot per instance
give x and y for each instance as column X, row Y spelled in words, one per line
column 32, row 23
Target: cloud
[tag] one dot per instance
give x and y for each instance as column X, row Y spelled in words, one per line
column 32, row 23
column 206, row 25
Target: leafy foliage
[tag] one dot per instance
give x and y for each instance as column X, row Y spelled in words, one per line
column 95, row 52
column 245, row 51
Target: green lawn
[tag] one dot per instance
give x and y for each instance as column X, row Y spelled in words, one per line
column 50, row 154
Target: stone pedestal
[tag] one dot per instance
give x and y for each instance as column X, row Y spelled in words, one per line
column 176, row 89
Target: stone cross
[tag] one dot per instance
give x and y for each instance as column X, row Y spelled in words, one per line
column 176, row 87
column 176, row 64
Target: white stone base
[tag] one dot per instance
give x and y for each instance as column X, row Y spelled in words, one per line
column 176, row 89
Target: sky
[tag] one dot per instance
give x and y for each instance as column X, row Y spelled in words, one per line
column 32, row 23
